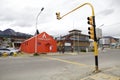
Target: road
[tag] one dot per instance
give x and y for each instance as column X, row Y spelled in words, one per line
column 56, row 67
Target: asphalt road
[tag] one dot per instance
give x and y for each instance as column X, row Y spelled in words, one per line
column 56, row 67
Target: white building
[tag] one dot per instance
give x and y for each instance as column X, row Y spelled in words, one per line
column 109, row 41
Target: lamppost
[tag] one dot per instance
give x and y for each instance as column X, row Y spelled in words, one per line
column 101, row 25
column 99, row 35
column 37, row 29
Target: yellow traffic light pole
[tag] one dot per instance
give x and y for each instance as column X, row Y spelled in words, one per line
column 95, row 39
column 58, row 13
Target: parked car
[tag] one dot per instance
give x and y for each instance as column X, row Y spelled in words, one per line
column 9, row 51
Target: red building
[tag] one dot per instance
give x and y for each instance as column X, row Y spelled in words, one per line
column 45, row 44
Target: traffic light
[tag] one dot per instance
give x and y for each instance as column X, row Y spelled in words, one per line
column 91, row 32
column 91, row 29
column 90, row 20
column 58, row 15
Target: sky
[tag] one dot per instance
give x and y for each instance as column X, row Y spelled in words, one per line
column 21, row 16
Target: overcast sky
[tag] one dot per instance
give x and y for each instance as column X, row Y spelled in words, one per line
column 20, row 15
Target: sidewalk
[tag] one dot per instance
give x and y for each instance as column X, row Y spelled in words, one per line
column 69, row 53
column 86, row 73
column 108, row 74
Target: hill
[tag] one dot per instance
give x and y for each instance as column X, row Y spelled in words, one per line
column 11, row 33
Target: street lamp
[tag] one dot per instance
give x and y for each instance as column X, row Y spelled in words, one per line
column 101, row 25
column 99, row 34
column 37, row 29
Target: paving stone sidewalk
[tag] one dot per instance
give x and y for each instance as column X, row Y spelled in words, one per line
column 112, row 73
column 85, row 73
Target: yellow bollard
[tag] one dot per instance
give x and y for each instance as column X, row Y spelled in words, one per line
column 14, row 54
column 20, row 53
column 5, row 54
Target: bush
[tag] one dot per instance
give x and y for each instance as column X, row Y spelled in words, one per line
column 36, row 54
column 83, row 50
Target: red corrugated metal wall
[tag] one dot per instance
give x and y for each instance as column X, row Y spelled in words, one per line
column 45, row 44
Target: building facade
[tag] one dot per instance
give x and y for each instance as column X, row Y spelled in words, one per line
column 109, row 42
column 14, row 42
column 41, row 43
column 74, row 41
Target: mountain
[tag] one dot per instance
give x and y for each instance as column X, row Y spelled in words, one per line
column 12, row 33
column 1, row 32
column 9, row 32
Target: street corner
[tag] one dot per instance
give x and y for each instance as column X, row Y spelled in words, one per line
column 101, row 76
column 112, row 73
column 72, row 72
column 115, row 71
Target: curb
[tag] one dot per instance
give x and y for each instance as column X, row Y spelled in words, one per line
column 101, row 76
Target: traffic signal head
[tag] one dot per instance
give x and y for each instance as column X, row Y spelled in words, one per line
column 58, row 15
column 91, row 32
column 90, row 20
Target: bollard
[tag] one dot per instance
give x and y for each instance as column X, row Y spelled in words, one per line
column 14, row 54
column 5, row 54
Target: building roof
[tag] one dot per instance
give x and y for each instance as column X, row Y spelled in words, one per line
column 75, row 30
column 110, row 37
